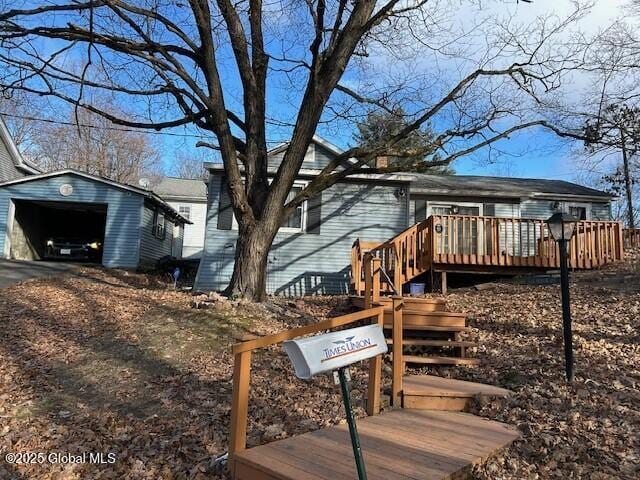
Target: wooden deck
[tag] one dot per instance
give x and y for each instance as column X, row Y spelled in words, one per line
column 402, row 444
column 444, row 243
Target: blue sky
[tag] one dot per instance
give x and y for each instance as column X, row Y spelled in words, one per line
column 533, row 153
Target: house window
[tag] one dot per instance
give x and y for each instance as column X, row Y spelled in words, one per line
column 578, row 212
column 473, row 209
column 581, row 211
column 296, row 221
column 185, row 211
column 159, row 225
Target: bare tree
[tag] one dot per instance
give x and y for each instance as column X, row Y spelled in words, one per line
column 188, row 165
column 210, row 64
column 88, row 142
column 617, row 127
column 17, row 109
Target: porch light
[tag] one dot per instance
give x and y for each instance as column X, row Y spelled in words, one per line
column 562, row 226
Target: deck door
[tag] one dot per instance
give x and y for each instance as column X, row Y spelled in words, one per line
column 460, row 235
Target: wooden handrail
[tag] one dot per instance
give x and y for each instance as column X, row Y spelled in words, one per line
column 280, row 337
column 242, row 361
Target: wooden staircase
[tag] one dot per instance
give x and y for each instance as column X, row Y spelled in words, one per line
column 416, row 442
column 429, row 330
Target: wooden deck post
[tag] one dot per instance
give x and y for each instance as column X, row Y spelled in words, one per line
column 368, row 281
column 398, row 362
column 375, row 377
column 376, row 266
column 443, row 282
column 397, row 269
column 239, row 405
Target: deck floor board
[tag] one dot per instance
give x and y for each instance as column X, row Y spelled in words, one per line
column 400, row 444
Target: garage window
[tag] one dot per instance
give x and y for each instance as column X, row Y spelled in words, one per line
column 159, row 225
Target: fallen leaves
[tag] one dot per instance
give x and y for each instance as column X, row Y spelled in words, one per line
column 114, row 362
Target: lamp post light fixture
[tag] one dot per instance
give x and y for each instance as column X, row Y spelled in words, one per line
column 562, row 227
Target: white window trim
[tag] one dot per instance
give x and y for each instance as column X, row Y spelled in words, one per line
column 303, row 224
column 430, row 205
column 188, row 207
column 586, row 205
column 159, row 233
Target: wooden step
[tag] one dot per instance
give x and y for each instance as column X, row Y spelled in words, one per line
column 434, row 343
column 432, row 328
column 440, row 360
column 412, row 318
column 413, row 303
column 429, row 392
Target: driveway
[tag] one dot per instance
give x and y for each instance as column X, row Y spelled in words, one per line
column 15, row 271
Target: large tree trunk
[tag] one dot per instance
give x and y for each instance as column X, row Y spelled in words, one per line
column 250, row 267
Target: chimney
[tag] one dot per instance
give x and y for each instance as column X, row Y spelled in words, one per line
column 382, row 162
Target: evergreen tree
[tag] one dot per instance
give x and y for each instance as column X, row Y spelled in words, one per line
column 377, row 128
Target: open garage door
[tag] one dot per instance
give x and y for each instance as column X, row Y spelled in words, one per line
column 44, row 230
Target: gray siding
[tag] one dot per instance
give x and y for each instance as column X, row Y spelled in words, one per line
column 123, row 214
column 151, row 247
column 601, row 211
column 303, row 263
column 317, row 158
column 8, row 170
column 322, row 157
column 506, row 210
column 541, row 209
column 178, row 242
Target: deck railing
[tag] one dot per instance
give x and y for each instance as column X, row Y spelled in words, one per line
column 520, row 242
column 402, row 258
column 474, row 241
column 242, row 364
column 631, row 237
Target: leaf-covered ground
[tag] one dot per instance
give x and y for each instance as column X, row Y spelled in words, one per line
column 111, row 362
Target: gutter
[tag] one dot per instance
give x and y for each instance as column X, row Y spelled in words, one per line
column 390, row 177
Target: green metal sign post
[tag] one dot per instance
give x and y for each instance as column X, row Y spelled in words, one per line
column 343, row 375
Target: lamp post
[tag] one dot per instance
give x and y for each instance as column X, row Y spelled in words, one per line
column 562, row 226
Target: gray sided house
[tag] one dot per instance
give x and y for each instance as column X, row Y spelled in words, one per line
column 12, row 164
column 312, row 252
column 135, row 226
column 189, row 198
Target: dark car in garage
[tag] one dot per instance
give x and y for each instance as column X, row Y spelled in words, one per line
column 73, row 249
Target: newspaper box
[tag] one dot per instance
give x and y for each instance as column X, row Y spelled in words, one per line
column 334, row 352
